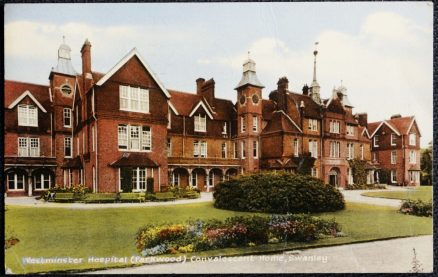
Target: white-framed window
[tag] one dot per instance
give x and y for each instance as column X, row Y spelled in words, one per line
column 16, row 181
column 27, row 115
column 67, row 117
column 394, row 176
column 234, row 150
column 42, row 181
column 414, row 177
column 255, row 123
column 313, row 124
column 393, row 157
column 200, row 123
column 313, row 148
column 255, row 149
column 412, row 157
column 224, row 150
column 412, row 139
column 314, row 172
column 23, row 149
column 376, row 141
column 194, row 179
column 350, row 176
column 393, row 139
column 34, row 150
column 350, row 150
column 200, row 149
column 350, row 130
column 242, row 124
column 296, row 147
column 139, row 177
column 335, row 126
column 175, row 179
column 361, row 152
column 335, row 149
column 67, row 147
column 169, row 147
column 242, row 150
column 224, row 129
column 134, row 138
column 134, row 99
column 93, row 139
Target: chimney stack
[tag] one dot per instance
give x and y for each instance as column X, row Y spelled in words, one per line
column 199, row 83
column 282, row 87
column 396, row 116
column 363, row 119
column 208, row 91
column 86, row 65
column 306, row 90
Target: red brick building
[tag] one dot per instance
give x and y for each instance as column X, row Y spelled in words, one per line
column 124, row 126
column 396, row 147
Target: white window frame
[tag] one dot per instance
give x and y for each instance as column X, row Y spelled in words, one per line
column 146, row 139
column 15, row 181
column 349, row 176
column 68, row 141
column 255, row 149
column 242, row 124
column 242, row 150
column 350, row 150
column 393, row 157
column 393, row 138
column 335, row 148
column 175, row 179
column 314, row 172
column 224, row 150
column 203, row 149
column 194, row 181
column 296, row 147
column 169, row 147
column 224, row 130
column 376, row 141
column 255, row 123
column 129, row 136
column 313, row 148
column 412, row 139
column 34, row 151
column 393, row 176
column 67, row 115
column 412, row 157
column 27, row 115
column 313, row 124
column 122, row 136
column 133, row 99
column 335, row 126
column 42, row 177
column 196, row 151
column 23, row 147
column 200, row 123
column 139, row 178
column 350, row 130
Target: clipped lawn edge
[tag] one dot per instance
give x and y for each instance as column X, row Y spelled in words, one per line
column 375, row 196
column 204, row 254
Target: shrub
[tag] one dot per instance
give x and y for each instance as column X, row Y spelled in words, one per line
column 416, row 207
column 364, row 186
column 235, row 231
column 277, row 192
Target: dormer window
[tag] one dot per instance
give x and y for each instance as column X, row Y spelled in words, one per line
column 334, row 127
column 412, row 139
column 66, row 89
column 27, row 115
column 376, row 141
column 200, row 123
column 313, row 125
column 393, row 139
column 134, row 99
column 350, row 130
column 224, row 130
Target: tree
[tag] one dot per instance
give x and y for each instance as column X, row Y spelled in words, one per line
column 426, row 165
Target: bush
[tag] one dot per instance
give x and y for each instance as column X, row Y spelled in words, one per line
column 416, row 207
column 277, row 192
column 365, row 186
column 233, row 232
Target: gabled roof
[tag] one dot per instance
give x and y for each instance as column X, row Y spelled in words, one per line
column 201, row 104
column 381, row 124
column 281, row 122
column 403, row 124
column 172, row 108
column 364, row 131
column 22, row 96
column 123, row 61
column 14, row 89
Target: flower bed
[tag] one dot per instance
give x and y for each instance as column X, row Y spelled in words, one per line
column 233, row 232
column 416, row 207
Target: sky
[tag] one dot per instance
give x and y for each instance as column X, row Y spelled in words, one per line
column 380, row 51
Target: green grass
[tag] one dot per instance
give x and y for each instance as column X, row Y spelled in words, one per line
column 420, row 193
column 58, row 232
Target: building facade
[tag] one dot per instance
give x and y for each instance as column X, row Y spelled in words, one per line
column 124, row 127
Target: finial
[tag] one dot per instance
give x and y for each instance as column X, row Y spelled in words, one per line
column 316, row 49
column 63, row 39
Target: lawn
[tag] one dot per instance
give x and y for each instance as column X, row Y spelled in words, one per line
column 420, row 193
column 76, row 233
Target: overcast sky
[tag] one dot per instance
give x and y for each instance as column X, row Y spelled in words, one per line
column 382, row 52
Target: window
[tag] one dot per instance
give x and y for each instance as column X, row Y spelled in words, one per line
column 224, row 130
column 200, row 123
column 412, row 139
column 67, row 117
column 139, row 176
column 42, row 181
column 234, row 150
column 175, row 179
column 93, row 138
column 169, row 147
column 22, row 147
column 412, row 157
column 224, row 150
column 67, row 147
column 134, row 138
column 313, row 125
column 15, row 181
column 28, row 147
column 194, row 179
column 393, row 176
column 134, row 99
column 313, row 148
column 393, row 139
column 27, row 115
column 393, row 157
column 350, row 148
column 255, row 123
column 169, row 118
column 34, row 147
column 335, row 147
column 242, row 149
column 314, row 172
column 350, row 176
column 296, row 147
column 350, row 130
column 66, row 89
column 242, row 124
column 334, row 126
column 200, row 149
column 361, row 152
column 255, row 149
column 376, row 141
column 68, row 177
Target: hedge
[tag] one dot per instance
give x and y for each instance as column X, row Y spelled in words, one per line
column 277, row 192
